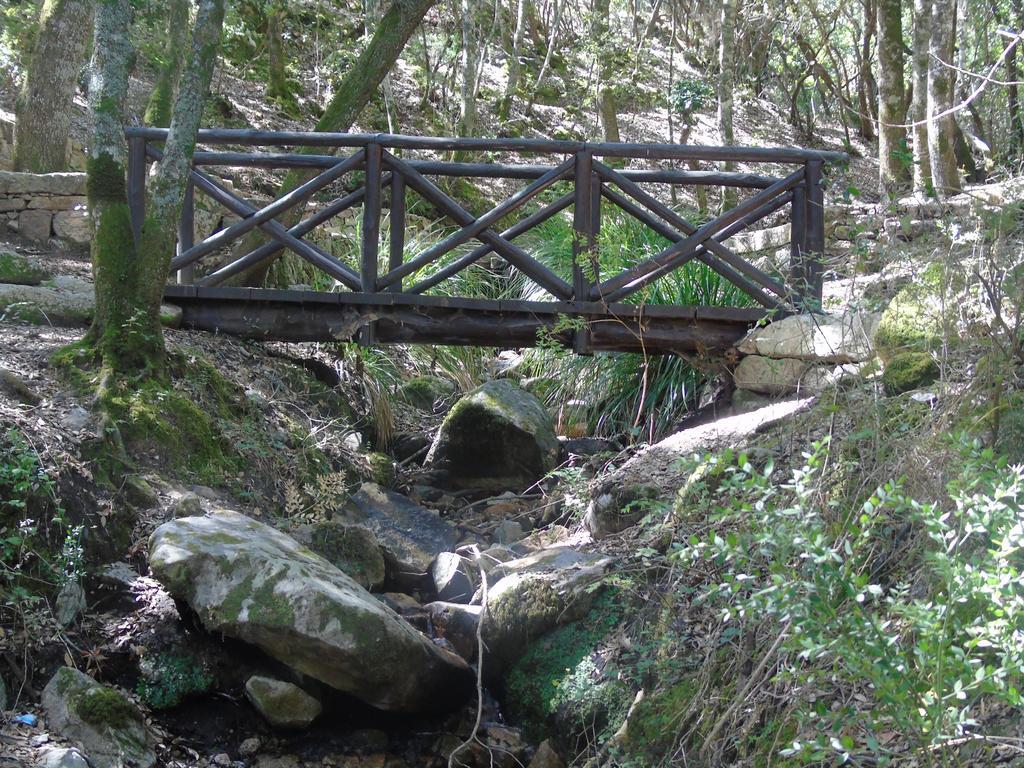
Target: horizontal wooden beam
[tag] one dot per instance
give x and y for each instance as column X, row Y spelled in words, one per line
column 541, row 146
column 405, row 319
column 484, row 170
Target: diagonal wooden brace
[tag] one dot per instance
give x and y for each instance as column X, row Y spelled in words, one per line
column 485, row 222
column 275, row 229
column 297, row 196
column 515, row 255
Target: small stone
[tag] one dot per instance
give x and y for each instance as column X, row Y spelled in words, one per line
column 61, row 757
column 76, row 419
column 205, row 492
column 223, row 760
column 249, row 747
column 70, row 603
column 284, row 705
column 451, row 578
column 139, row 493
column 508, row 532
column 73, row 226
column 187, row 505
column 35, row 225
column 546, row 757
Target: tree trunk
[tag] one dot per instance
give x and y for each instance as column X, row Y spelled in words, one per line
column 158, row 110
column 607, row 106
column 359, row 86
column 123, row 347
column 726, row 87
column 941, row 127
column 470, row 59
column 277, row 74
column 919, row 105
column 864, row 95
column 167, row 184
column 892, row 136
column 45, row 103
column 514, row 67
column 1013, row 93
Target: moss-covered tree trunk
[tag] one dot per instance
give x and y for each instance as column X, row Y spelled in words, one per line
column 120, row 332
column 278, row 89
column 167, row 184
column 359, row 86
column 893, row 175
column 941, row 125
column 158, row 110
column 45, row 103
column 130, row 277
column 919, row 103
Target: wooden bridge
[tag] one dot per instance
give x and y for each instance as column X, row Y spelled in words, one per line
column 382, row 298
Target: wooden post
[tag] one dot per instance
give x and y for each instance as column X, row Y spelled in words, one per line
column 397, row 227
column 584, row 242
column 798, row 246
column 137, row 184
column 186, row 232
column 815, row 236
column 371, row 231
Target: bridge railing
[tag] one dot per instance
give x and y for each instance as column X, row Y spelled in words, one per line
column 595, row 181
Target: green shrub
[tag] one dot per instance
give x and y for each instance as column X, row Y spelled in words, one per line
column 922, row 647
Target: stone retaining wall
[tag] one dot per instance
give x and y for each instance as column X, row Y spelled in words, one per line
column 41, row 206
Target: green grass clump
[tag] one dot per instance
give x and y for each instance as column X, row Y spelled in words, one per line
column 171, row 678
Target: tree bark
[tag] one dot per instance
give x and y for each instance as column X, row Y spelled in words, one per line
column 864, row 91
column 470, row 59
column 122, row 346
column 941, row 127
column 278, row 89
column 359, row 86
column 919, row 105
column 44, row 106
column 892, row 136
column 514, row 67
column 158, row 110
column 607, row 106
column 167, row 183
column 726, row 87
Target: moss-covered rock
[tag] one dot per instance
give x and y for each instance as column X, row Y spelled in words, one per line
column 248, row 581
column 911, row 323
column 424, row 392
column 18, row 270
column 382, row 469
column 107, row 724
column 497, row 437
column 352, row 549
column 908, row 371
column 283, row 704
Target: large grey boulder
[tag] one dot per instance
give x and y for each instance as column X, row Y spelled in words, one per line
column 497, row 437
column 249, row 581
column 815, row 338
column 410, row 536
column 63, row 302
column 110, row 728
column 283, row 704
column 352, row 549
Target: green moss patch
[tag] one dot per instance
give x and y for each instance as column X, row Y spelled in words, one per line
column 104, row 707
column 16, row 269
column 908, row 371
column 170, row 678
column 912, row 322
column 561, row 676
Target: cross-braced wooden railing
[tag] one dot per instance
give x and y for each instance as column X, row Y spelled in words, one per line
column 589, row 166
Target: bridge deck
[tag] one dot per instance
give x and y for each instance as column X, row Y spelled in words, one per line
column 398, row 318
